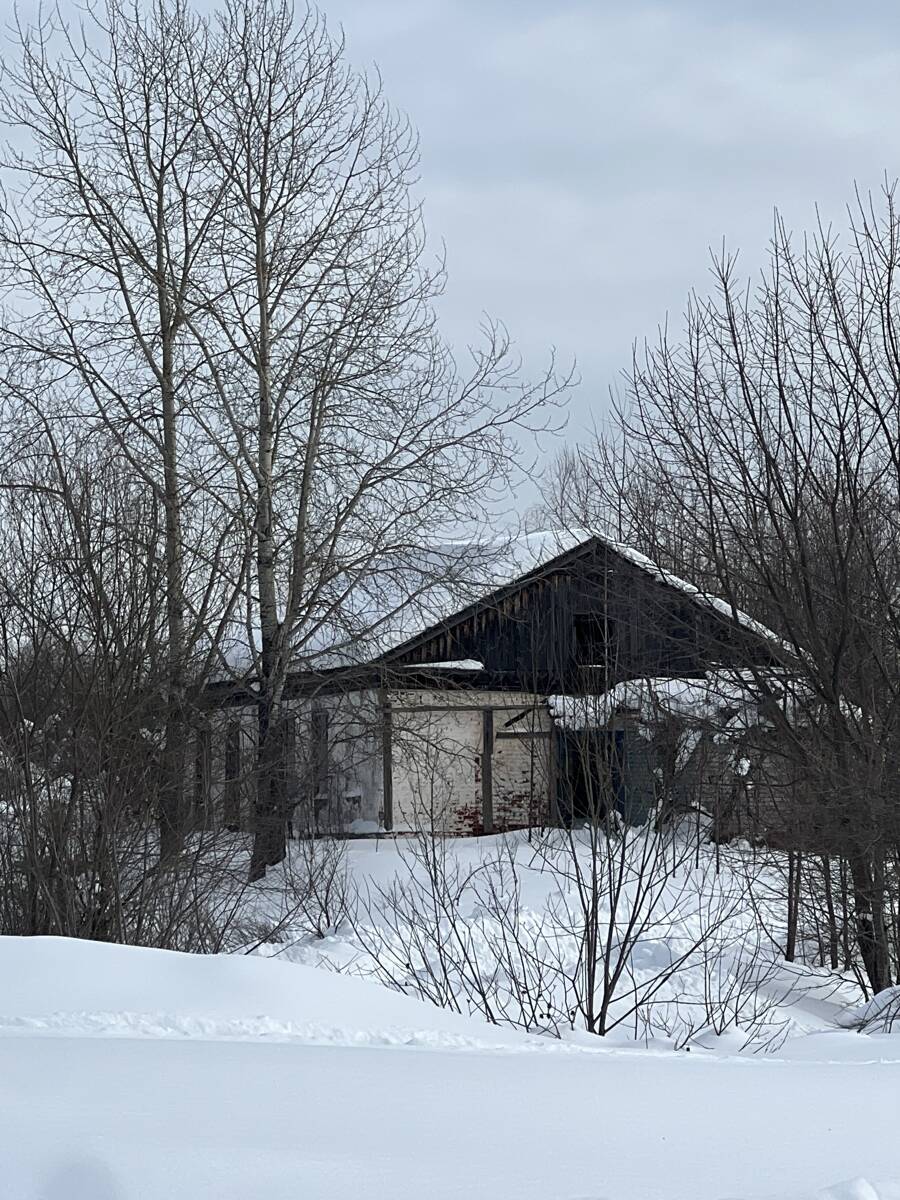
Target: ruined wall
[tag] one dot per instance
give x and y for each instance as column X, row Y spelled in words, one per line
column 748, row 789
column 438, row 760
column 331, row 760
column 522, row 773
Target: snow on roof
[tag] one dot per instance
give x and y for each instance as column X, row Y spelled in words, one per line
column 705, row 598
column 527, row 552
column 728, row 699
column 460, row 664
column 368, row 608
column 717, row 696
column 517, row 557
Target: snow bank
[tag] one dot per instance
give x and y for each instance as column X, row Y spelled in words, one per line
column 228, row 1098
column 880, row 1014
column 699, row 968
column 58, row 984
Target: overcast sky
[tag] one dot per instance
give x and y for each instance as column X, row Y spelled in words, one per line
column 579, row 157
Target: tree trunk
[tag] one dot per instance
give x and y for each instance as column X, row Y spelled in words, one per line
column 793, row 905
column 172, row 814
column 870, row 937
column 833, row 948
column 269, row 819
column 269, row 844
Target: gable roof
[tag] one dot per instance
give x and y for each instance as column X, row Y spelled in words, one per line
column 385, row 614
column 370, row 607
column 553, row 551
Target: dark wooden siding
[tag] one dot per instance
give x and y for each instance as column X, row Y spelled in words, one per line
column 587, row 624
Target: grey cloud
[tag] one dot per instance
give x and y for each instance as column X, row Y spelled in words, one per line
column 580, row 158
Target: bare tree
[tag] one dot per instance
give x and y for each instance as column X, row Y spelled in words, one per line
column 82, row 619
column 355, row 440
column 103, row 231
column 213, row 254
column 757, row 454
column 624, row 912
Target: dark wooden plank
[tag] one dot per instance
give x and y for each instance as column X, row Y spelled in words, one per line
column 553, row 778
column 524, row 736
column 487, row 770
column 387, row 767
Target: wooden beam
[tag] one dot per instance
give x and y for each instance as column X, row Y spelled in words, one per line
column 553, row 778
column 487, row 770
column 387, row 766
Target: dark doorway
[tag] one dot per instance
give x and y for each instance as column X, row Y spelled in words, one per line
column 591, row 774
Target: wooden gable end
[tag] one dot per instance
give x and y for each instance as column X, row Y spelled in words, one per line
column 590, row 618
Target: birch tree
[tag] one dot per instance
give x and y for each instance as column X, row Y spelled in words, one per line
column 356, row 438
column 213, row 235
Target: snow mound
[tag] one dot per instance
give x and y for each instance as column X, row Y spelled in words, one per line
column 253, row 1029
column 66, row 987
column 133, row 1074
column 878, row 1015
column 860, row 1189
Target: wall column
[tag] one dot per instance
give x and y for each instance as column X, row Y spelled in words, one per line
column 487, row 770
column 387, row 765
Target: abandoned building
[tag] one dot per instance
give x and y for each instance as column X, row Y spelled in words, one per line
column 469, row 725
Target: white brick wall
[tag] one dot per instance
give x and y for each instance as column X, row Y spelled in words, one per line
column 436, row 758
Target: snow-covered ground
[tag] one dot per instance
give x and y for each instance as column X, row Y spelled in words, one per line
column 486, row 924
column 131, row 1074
